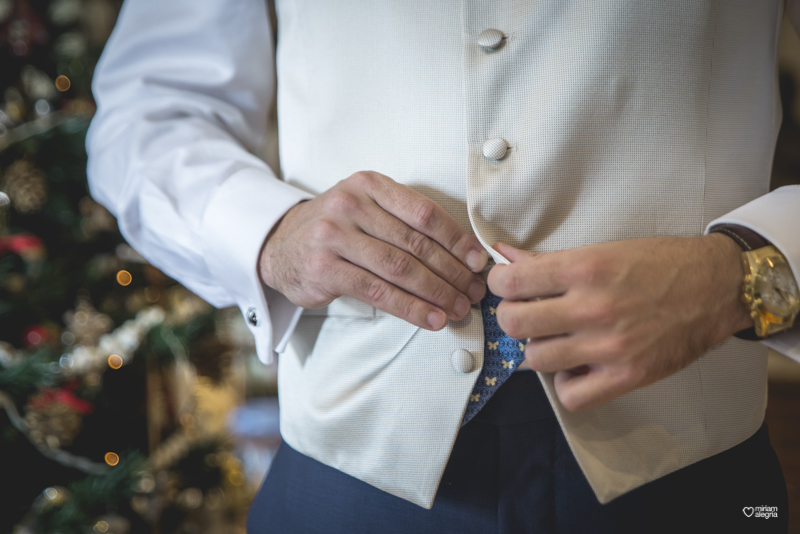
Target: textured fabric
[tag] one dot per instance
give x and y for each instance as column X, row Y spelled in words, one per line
column 502, row 355
column 623, row 120
column 393, row 433
column 512, row 472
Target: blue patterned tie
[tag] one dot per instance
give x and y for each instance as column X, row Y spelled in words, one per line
column 501, row 356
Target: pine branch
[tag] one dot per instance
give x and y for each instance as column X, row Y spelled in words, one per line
column 92, row 497
column 22, row 380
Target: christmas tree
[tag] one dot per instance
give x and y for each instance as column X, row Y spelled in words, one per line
column 114, row 380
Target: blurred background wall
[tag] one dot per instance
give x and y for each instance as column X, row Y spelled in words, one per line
column 783, row 409
column 127, row 404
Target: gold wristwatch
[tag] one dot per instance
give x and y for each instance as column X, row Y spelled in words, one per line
column 769, row 287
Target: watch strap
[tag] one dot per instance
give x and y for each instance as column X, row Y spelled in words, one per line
column 748, row 240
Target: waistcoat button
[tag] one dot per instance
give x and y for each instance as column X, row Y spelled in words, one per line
column 495, row 148
column 462, row 361
column 491, row 39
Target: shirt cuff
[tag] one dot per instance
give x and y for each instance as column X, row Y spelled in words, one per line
column 776, row 217
column 239, row 216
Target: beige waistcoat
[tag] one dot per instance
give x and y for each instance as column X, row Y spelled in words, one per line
column 625, row 119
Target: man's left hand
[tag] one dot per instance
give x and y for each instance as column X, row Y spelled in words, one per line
column 620, row 315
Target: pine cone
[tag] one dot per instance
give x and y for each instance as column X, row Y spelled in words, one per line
column 54, row 426
column 25, row 186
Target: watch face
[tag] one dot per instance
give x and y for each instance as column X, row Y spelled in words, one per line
column 778, row 289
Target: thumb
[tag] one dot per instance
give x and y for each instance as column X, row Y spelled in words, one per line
column 513, row 254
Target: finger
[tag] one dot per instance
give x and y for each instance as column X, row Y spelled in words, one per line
column 386, row 227
column 536, row 276
column 511, row 253
column 406, row 272
column 360, row 284
column 426, row 216
column 523, row 319
column 591, row 386
column 548, row 355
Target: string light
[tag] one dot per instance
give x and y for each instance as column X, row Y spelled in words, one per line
column 115, row 361
column 63, row 83
column 112, row 458
column 124, row 278
column 101, row 526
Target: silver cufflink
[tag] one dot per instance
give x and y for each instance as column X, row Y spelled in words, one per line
column 252, row 316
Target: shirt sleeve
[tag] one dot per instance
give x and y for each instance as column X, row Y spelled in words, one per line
column 183, row 89
column 776, row 217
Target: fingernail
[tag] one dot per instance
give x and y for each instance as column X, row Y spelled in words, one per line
column 477, row 259
column 462, row 306
column 437, row 319
column 476, row 290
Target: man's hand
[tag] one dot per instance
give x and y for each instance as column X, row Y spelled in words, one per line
column 622, row 314
column 380, row 242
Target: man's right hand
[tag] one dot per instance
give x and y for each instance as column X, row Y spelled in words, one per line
column 380, row 242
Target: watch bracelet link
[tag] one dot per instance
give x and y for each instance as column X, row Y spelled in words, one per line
column 748, row 240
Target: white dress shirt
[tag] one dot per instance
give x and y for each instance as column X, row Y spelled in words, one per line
column 183, row 89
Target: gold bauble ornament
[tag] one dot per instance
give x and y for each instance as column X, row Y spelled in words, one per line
column 25, row 186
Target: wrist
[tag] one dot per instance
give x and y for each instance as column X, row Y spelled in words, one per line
column 727, row 275
column 769, row 288
column 278, row 234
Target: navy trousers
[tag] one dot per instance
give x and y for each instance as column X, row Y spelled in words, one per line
column 511, row 471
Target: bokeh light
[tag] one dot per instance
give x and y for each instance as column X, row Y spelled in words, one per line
column 63, row 83
column 115, row 361
column 124, row 278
